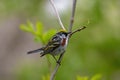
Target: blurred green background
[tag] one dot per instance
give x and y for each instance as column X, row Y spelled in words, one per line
column 95, row 50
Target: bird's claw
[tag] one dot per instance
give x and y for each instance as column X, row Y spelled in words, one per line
column 58, row 62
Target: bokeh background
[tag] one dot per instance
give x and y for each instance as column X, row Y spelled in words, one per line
column 95, row 50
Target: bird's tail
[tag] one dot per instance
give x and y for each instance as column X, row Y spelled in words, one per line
column 41, row 51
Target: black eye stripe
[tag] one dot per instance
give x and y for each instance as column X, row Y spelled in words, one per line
column 56, row 38
column 59, row 36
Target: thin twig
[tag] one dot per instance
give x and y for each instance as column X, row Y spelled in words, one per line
column 57, row 14
column 77, row 30
column 72, row 15
column 54, row 72
column 56, row 68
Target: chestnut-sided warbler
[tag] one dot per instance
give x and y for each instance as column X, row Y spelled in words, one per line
column 56, row 45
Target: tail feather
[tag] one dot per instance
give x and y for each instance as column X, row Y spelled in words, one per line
column 36, row 51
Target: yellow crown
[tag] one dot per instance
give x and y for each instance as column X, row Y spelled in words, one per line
column 63, row 30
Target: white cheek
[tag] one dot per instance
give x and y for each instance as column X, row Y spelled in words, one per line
column 66, row 41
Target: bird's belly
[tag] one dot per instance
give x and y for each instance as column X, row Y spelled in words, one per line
column 58, row 51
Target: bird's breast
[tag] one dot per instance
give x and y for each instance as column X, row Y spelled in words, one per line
column 63, row 42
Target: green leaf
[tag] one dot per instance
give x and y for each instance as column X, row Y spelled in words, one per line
column 39, row 35
column 25, row 28
column 38, row 39
column 48, row 35
column 30, row 25
column 82, row 78
column 96, row 77
column 39, row 28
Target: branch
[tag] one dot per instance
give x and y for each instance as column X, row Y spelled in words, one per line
column 72, row 16
column 56, row 68
column 57, row 14
column 77, row 30
column 54, row 72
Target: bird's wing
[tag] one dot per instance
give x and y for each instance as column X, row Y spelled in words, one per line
column 52, row 44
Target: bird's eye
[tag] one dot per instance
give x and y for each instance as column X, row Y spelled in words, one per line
column 55, row 38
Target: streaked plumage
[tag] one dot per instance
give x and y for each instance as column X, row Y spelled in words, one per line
column 55, row 46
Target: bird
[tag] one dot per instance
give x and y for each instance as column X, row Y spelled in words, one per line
column 55, row 46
